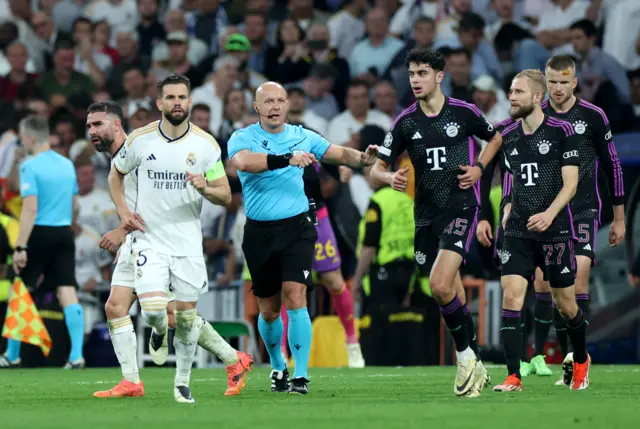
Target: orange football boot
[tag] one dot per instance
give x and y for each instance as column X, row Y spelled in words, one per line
column 237, row 374
column 511, row 384
column 125, row 389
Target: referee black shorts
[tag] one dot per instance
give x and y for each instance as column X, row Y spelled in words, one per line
column 279, row 251
column 51, row 252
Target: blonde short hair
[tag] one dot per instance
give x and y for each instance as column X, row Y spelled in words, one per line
column 536, row 80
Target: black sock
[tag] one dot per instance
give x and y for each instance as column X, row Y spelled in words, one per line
column 561, row 330
column 577, row 330
column 543, row 316
column 456, row 322
column 511, row 341
column 583, row 302
column 471, row 331
column 524, row 344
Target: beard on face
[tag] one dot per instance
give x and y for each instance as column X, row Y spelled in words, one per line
column 103, row 144
column 521, row 111
column 176, row 119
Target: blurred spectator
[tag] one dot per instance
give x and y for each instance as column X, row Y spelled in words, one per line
column 46, row 30
column 138, row 114
column 505, row 9
column 95, row 206
column 102, row 41
column 410, row 12
column 122, row 15
column 318, row 87
column 490, row 99
column 347, row 27
column 302, row 12
column 359, row 187
column 261, row 7
column 261, row 55
column 61, row 81
column 634, row 77
column 62, row 12
column 87, row 59
column 127, row 47
column 17, row 82
column 38, row 106
column 534, row 9
column 299, row 114
column 372, row 56
column 177, row 61
column 201, row 116
column 621, row 37
column 175, row 22
column 356, row 116
column 64, row 126
column 213, row 92
column 453, row 10
column 595, row 67
column 239, row 47
column 135, row 85
column 209, row 23
column 385, row 99
column 150, row 30
column 21, row 16
column 457, row 80
column 8, row 37
column 291, row 66
column 234, row 117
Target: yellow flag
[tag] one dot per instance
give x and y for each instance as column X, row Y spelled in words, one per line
column 23, row 322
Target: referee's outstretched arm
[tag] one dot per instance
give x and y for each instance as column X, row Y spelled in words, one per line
column 341, row 155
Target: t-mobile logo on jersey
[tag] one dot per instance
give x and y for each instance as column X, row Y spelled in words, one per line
column 435, row 157
column 529, row 172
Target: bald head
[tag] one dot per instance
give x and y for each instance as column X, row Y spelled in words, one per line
column 272, row 105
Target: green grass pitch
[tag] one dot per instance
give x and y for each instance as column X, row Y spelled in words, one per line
column 383, row 398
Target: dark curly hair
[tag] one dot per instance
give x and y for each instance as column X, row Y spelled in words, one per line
column 174, row 79
column 433, row 59
column 108, row 107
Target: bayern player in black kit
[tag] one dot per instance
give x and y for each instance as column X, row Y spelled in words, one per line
column 437, row 133
column 597, row 154
column 542, row 153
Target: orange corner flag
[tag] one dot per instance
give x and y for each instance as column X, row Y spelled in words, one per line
column 23, row 322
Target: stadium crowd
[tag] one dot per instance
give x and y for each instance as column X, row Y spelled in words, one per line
column 342, row 62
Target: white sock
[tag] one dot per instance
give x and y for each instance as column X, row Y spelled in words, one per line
column 154, row 311
column 125, row 345
column 465, row 354
column 212, row 342
column 185, row 342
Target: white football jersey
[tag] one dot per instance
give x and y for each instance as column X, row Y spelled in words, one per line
column 169, row 205
column 98, row 211
column 130, row 183
column 90, row 258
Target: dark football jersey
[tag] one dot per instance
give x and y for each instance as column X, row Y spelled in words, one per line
column 438, row 146
column 536, row 161
column 497, row 165
column 596, row 150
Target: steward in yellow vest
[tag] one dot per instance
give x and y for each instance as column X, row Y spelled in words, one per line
column 9, row 230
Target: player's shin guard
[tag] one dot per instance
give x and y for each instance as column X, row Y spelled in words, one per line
column 211, row 341
column 511, row 340
column 561, row 330
column 125, row 345
column 271, row 334
column 74, row 319
column 471, row 331
column 456, row 322
column 185, row 342
column 577, row 330
column 543, row 317
column 343, row 304
column 154, row 311
column 300, row 340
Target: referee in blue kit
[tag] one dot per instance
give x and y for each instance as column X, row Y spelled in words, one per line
column 280, row 236
column 46, row 246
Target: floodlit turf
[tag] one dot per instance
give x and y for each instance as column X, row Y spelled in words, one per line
column 339, row 398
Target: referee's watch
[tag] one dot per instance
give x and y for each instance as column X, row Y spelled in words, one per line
column 21, row 249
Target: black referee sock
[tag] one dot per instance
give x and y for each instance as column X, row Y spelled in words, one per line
column 511, row 340
column 471, row 331
column 577, row 331
column 456, row 322
column 561, row 330
column 543, row 316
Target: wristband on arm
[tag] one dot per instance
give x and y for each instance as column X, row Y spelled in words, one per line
column 275, row 162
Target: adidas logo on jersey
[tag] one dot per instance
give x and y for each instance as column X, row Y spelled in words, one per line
column 565, row 271
column 416, row 136
column 151, row 157
column 514, row 152
column 459, row 244
column 587, row 247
